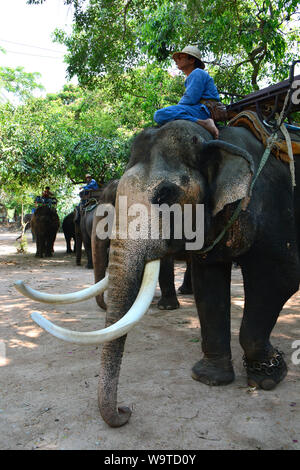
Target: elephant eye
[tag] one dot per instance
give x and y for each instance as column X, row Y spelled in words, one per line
column 184, row 180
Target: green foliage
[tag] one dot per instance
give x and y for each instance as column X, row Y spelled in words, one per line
column 18, row 82
column 120, row 50
column 22, row 245
column 242, row 41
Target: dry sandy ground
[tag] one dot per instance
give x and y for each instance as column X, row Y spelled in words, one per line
column 48, row 395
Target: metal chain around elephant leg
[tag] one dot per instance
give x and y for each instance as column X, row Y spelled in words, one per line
column 268, row 373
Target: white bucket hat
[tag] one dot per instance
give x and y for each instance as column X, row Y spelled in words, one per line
column 193, row 51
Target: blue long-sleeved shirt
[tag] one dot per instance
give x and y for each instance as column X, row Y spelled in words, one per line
column 199, row 85
column 91, row 185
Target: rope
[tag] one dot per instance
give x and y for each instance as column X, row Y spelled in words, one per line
column 241, row 204
column 290, row 152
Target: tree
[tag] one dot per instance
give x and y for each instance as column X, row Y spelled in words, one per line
column 18, row 82
column 57, row 139
column 243, row 41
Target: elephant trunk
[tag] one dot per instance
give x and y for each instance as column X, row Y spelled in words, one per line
column 123, row 288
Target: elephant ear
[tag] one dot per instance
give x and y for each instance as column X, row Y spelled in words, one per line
column 229, row 170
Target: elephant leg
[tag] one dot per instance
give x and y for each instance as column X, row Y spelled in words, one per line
column 267, row 287
column 88, row 250
column 68, row 243
column 211, row 285
column 39, row 249
column 48, row 246
column 186, row 287
column 168, row 299
column 78, row 247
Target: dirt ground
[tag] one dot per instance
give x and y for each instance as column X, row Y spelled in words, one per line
column 48, row 388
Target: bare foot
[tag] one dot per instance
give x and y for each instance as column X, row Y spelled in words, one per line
column 209, row 125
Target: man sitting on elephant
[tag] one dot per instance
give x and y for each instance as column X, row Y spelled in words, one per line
column 47, row 198
column 199, row 86
column 90, row 186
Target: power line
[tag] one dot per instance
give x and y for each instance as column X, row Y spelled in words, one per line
column 34, row 55
column 28, row 45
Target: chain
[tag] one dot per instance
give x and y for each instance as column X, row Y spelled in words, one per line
column 266, row 367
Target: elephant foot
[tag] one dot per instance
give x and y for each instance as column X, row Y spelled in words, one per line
column 168, row 303
column 213, row 371
column 266, row 374
column 185, row 290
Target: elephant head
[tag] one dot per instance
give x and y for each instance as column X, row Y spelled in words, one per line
column 172, row 165
column 169, row 165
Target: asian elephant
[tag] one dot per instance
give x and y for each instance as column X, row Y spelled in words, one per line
column 241, row 219
column 45, row 225
column 83, row 221
column 177, row 164
column 27, row 221
column 68, row 227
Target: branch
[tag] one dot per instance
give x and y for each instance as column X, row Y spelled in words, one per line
column 73, row 181
column 124, row 17
column 246, row 61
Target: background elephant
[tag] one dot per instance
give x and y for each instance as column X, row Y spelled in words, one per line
column 177, row 164
column 68, row 227
column 27, row 221
column 45, row 225
column 83, row 230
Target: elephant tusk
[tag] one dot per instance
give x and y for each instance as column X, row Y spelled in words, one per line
column 70, row 298
column 119, row 328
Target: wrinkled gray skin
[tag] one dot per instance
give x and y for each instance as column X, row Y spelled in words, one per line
column 174, row 164
column 83, row 231
column 100, row 253
column 100, row 248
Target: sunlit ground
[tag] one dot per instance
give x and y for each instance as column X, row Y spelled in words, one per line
column 48, row 392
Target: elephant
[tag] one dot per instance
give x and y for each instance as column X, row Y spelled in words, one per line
column 83, row 229
column 45, row 225
column 246, row 215
column 68, row 227
column 27, row 221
